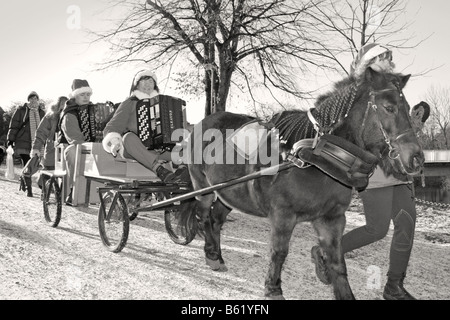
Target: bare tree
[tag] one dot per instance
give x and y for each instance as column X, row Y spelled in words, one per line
column 254, row 45
column 350, row 24
column 438, row 126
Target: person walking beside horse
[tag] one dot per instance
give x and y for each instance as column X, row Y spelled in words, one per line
column 387, row 197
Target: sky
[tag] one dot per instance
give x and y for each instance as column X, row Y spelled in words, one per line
column 43, row 48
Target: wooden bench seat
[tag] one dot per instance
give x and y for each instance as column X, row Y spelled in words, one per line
column 96, row 161
column 94, row 167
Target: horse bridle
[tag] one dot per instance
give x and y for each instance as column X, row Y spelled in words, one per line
column 393, row 153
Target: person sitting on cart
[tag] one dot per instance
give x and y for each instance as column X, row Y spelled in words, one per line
column 76, row 126
column 120, row 134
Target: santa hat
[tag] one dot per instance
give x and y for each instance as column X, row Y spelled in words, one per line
column 365, row 56
column 144, row 73
column 32, row 94
column 79, row 86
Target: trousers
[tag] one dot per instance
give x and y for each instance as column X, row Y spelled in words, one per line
column 135, row 149
column 381, row 206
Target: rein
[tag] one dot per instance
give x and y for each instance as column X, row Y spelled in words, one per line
column 393, row 153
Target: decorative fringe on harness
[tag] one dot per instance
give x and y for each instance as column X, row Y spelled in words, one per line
column 296, row 125
column 335, row 156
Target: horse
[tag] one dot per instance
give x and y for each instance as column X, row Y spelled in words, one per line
column 371, row 113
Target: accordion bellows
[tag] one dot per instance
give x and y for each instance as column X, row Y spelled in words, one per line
column 93, row 120
column 157, row 118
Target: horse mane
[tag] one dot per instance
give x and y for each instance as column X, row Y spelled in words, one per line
column 330, row 109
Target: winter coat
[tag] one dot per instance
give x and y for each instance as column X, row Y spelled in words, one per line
column 70, row 123
column 124, row 119
column 19, row 129
column 45, row 136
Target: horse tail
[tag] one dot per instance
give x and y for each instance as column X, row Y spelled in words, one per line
column 187, row 216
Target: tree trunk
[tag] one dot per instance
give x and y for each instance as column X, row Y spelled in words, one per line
column 209, row 97
column 223, row 88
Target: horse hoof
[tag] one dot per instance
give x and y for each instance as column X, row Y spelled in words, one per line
column 213, row 264
column 277, row 297
column 223, row 268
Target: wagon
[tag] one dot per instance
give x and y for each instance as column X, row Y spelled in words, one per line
column 120, row 187
column 120, row 199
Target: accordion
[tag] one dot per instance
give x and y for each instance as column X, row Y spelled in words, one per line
column 157, row 118
column 94, row 118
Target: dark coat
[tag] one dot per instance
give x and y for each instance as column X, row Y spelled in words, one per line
column 19, row 128
column 70, row 123
column 45, row 137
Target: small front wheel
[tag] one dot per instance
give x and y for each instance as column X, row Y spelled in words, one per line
column 52, row 202
column 113, row 221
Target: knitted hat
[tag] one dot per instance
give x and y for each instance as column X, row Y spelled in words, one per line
column 32, row 94
column 79, row 86
column 365, row 56
column 144, row 73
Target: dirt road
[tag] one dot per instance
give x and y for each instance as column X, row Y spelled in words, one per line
column 70, row 262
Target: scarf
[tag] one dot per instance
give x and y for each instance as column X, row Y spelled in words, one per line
column 35, row 119
column 142, row 95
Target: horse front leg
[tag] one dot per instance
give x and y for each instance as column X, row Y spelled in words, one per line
column 212, row 222
column 330, row 230
column 281, row 232
column 218, row 215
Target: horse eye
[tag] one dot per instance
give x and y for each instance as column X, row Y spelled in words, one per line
column 389, row 108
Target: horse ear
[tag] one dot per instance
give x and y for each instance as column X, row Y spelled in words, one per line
column 404, row 80
column 370, row 74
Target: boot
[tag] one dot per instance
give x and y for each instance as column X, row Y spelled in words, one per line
column 22, row 185
column 167, row 176
column 29, row 188
column 69, row 198
column 394, row 290
column 321, row 268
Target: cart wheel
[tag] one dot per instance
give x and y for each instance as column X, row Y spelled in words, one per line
column 52, row 202
column 113, row 222
column 180, row 234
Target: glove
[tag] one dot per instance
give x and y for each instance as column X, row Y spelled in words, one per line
column 116, row 147
column 35, row 152
column 11, row 143
column 112, row 143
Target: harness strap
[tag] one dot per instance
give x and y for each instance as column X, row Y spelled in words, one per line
column 313, row 120
column 315, row 125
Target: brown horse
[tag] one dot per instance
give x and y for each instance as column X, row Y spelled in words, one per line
column 372, row 114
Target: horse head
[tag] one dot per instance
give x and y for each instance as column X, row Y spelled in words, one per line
column 380, row 123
